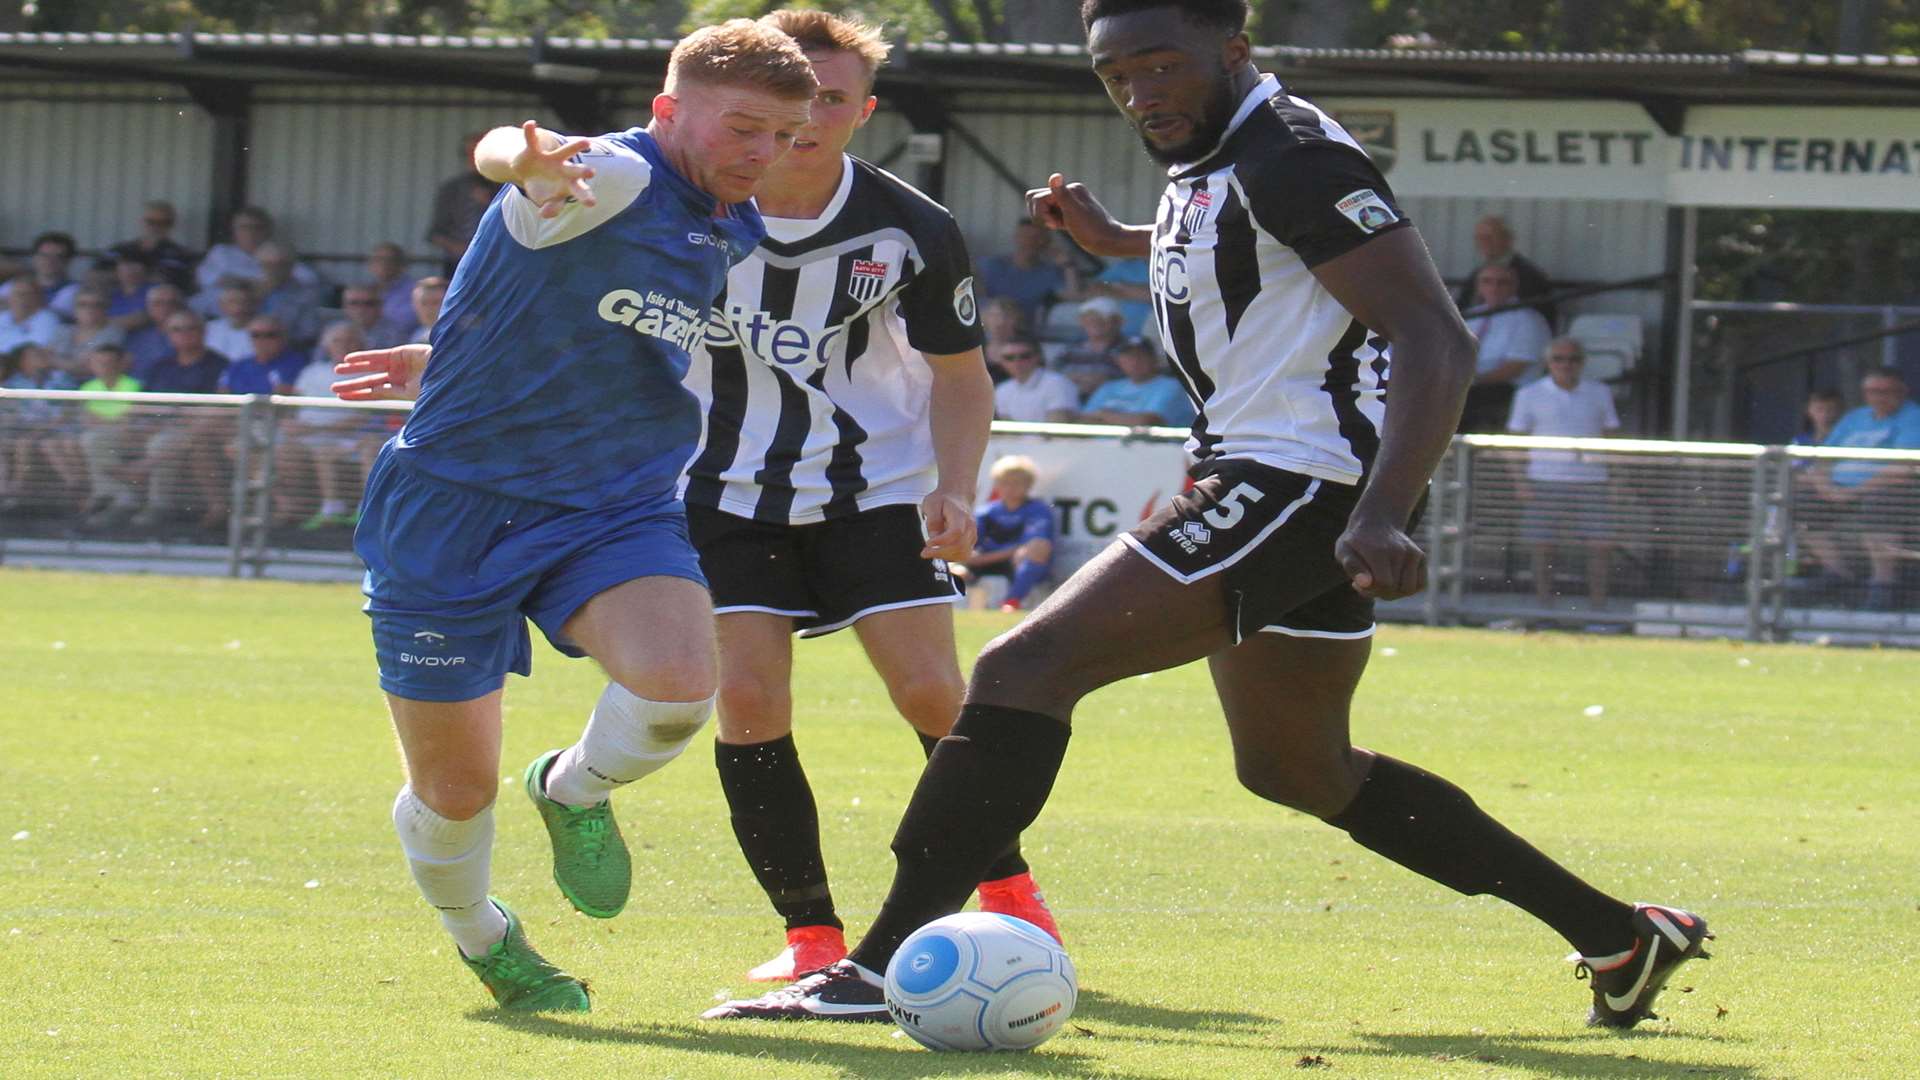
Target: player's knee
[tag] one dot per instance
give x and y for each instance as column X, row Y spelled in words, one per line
column 928, row 699
column 754, row 709
column 685, row 672
column 458, row 798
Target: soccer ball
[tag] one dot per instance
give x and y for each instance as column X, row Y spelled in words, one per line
column 978, row 981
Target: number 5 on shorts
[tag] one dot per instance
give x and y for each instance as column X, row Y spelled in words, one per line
column 1231, row 509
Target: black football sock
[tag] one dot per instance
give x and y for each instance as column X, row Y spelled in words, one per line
column 1435, row 829
column 984, row 784
column 1010, row 862
column 778, row 827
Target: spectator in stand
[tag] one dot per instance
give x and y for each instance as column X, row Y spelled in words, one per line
column 1036, row 274
column 148, row 346
column 52, row 266
column 1127, row 282
column 27, row 319
column 362, row 307
column 1090, row 362
column 429, row 293
column 1494, row 241
column 1003, row 320
column 1511, row 344
column 1016, row 533
column 30, row 427
column 251, row 227
column 457, row 206
column 387, row 274
column 1030, row 392
column 271, row 364
column 1821, row 413
column 330, row 445
column 1565, row 492
column 106, row 439
column 1871, row 503
column 286, row 294
column 91, row 329
column 127, row 297
column 156, row 247
column 193, row 369
column 239, row 303
column 1145, row 395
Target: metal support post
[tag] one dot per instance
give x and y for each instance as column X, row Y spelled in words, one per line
column 1766, row 544
column 242, row 473
column 1460, row 524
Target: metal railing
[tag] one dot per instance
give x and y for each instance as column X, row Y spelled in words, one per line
column 1728, row 539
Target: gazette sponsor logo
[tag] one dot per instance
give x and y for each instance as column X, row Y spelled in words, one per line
column 656, row 315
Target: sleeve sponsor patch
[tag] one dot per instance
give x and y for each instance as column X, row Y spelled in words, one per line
column 964, row 307
column 1367, row 210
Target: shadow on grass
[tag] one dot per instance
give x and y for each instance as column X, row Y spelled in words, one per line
column 1590, row 1054
column 771, row 1041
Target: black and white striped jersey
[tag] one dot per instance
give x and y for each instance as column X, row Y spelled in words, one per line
column 1282, row 374
column 812, row 380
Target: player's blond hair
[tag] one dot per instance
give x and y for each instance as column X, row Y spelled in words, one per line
column 741, row 52
column 823, row 31
column 1013, row 463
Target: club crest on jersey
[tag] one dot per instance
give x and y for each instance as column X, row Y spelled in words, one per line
column 964, row 307
column 1197, row 209
column 1367, row 210
column 867, row 280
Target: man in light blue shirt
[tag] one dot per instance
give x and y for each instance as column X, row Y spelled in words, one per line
column 1871, row 502
column 1145, row 396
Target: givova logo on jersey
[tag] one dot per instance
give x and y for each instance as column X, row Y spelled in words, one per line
column 783, row 344
column 655, row 314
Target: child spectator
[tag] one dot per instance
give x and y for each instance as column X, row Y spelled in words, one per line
column 1016, row 533
column 1144, row 395
column 1821, row 413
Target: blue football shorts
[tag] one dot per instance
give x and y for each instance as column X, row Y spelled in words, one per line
column 454, row 573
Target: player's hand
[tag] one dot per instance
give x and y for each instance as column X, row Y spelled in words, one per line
column 1381, row 559
column 950, row 527
column 1073, row 209
column 382, row 374
column 547, row 176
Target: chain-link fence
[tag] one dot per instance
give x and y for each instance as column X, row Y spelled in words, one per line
column 1603, row 534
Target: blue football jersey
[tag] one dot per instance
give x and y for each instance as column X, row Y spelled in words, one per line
column 1003, row 527
column 558, row 357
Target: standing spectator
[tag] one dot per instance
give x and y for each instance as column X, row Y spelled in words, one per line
column 1821, row 413
column 1511, row 343
column 227, row 335
column 105, row 440
column 193, row 369
column 156, row 247
column 27, row 319
column 286, row 294
column 1030, row 392
column 1016, row 533
column 148, row 345
column 1494, row 241
column 457, row 206
column 250, row 228
column 270, row 366
column 387, row 273
column 362, row 307
column 1868, row 502
column 1126, row 281
column 1034, row 275
column 90, row 330
column 1145, row 395
column 1090, row 362
column 29, row 425
column 429, row 293
column 1566, row 494
column 127, row 297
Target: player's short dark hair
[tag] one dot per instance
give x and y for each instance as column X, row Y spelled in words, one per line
column 1229, row 16
column 65, row 240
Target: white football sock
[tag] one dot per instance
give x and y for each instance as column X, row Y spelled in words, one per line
column 627, row 737
column 451, row 862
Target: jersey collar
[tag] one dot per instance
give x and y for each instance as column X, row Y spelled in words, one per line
column 1265, row 88
column 792, row 230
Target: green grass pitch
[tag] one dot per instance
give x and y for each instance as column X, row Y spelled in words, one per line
column 198, row 875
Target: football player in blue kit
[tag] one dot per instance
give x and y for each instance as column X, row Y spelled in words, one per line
column 535, row 480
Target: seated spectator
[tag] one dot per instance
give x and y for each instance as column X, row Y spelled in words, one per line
column 52, row 266
column 1016, row 533
column 1818, row 417
column 1494, row 241
column 227, row 335
column 1034, row 275
column 192, row 369
column 387, row 273
column 334, row 447
column 1866, row 502
column 1511, row 343
column 429, row 293
column 148, row 346
column 1565, row 493
column 27, row 320
column 167, row 260
column 1030, row 392
column 1127, row 282
column 239, row 257
column 106, row 440
column 1090, row 362
column 1145, row 395
column 361, row 305
column 271, row 364
column 127, row 296
column 90, row 330
column 286, row 295
column 457, row 205
column 29, row 427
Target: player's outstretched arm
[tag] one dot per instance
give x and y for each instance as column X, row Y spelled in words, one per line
column 1389, row 283
column 1072, row 209
column 538, row 161
column 382, row 374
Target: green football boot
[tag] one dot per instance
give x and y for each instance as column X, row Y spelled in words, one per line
column 522, row 980
column 590, row 860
